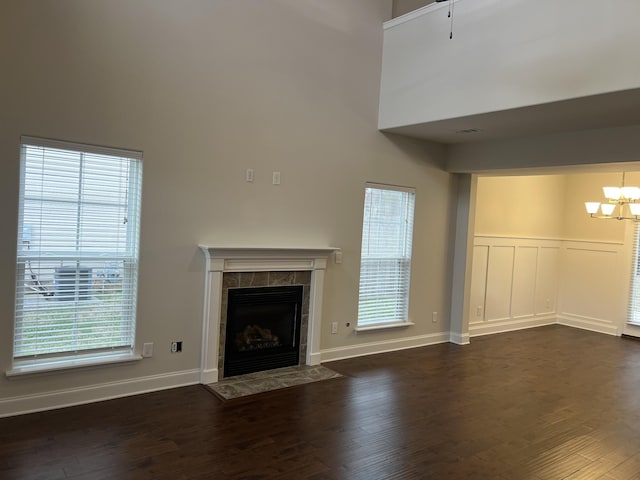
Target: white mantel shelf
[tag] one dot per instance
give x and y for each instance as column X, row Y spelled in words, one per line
column 221, row 259
column 264, row 259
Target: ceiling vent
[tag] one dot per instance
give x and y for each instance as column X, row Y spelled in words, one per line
column 469, row 130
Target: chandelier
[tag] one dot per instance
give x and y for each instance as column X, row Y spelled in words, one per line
column 622, row 203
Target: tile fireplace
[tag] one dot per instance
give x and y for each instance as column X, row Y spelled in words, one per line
column 234, row 271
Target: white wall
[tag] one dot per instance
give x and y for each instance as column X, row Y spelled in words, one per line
column 205, row 90
column 562, row 267
column 505, row 55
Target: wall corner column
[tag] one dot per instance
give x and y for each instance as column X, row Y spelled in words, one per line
column 462, row 258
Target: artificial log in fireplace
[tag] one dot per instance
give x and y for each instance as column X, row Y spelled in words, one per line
column 263, row 329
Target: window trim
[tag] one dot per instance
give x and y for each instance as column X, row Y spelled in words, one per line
column 80, row 147
column 51, row 362
column 35, row 366
column 383, row 326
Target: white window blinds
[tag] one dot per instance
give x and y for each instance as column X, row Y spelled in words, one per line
column 634, row 300
column 77, row 255
column 385, row 269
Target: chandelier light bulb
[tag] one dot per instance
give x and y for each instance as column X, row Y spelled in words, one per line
column 634, row 208
column 607, row 208
column 592, row 207
column 612, row 193
column 631, row 193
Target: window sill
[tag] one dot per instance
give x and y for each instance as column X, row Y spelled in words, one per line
column 49, row 365
column 383, row 326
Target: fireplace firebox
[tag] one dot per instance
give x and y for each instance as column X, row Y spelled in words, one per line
column 262, row 329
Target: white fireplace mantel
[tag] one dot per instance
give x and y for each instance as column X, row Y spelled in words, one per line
column 221, row 259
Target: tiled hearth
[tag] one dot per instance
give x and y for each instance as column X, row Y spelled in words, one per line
column 260, row 382
column 247, row 266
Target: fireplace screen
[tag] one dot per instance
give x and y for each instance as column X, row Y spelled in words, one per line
column 263, row 329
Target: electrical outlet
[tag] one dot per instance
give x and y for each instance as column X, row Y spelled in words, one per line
column 434, row 317
column 334, row 327
column 479, row 311
column 147, row 350
column 176, row 347
column 547, row 304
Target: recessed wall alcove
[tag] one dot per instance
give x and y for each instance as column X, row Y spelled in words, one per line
column 255, row 267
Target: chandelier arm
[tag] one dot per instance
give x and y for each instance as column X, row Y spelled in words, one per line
column 611, row 217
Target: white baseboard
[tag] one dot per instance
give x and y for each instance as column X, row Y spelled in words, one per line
column 502, row 326
column 315, row 359
column 96, row 393
column 371, row 348
column 587, row 323
column 459, row 339
column 209, row 376
column 631, row 329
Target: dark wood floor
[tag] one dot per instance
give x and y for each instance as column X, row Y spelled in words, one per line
column 547, row 403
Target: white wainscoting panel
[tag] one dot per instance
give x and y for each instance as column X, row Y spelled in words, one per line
column 594, row 287
column 499, row 282
column 517, row 277
column 547, row 280
column 478, row 283
column 524, row 282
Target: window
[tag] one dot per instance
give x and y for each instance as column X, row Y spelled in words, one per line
column 634, row 300
column 385, row 269
column 77, row 255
